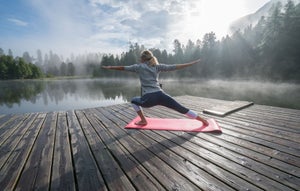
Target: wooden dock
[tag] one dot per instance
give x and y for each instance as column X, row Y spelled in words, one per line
column 89, row 149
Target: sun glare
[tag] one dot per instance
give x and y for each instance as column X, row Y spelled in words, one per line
column 213, row 16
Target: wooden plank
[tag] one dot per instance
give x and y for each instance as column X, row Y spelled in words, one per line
column 138, row 175
column 261, row 131
column 276, row 110
column 88, row 176
column 90, row 150
column 253, row 110
column 231, row 163
column 249, row 130
column 270, row 141
column 216, row 171
column 63, row 177
column 164, row 149
column 270, row 112
column 8, row 145
column 275, row 174
column 113, row 175
column 229, row 107
column 170, row 178
column 275, row 130
column 277, row 170
column 289, row 161
column 37, row 171
column 276, row 153
column 12, row 169
column 10, row 126
column 272, row 153
column 209, row 146
column 285, row 123
column 5, row 119
column 260, row 110
column 201, row 102
column 258, row 127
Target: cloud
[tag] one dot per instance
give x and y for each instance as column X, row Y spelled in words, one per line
column 152, row 23
column 103, row 25
column 107, row 26
column 134, row 21
column 18, row 22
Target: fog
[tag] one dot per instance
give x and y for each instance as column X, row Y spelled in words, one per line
column 57, row 95
column 266, row 93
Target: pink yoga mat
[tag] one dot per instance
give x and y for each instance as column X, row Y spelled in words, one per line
column 176, row 125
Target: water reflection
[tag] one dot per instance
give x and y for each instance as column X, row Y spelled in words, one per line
column 62, row 95
column 12, row 92
column 55, row 95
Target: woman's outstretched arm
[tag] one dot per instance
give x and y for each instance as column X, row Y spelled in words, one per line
column 113, row 67
column 180, row 66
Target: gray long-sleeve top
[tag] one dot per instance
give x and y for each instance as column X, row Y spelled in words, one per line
column 149, row 75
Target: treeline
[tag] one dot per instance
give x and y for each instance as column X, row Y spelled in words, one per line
column 268, row 50
column 17, row 68
column 51, row 64
column 54, row 65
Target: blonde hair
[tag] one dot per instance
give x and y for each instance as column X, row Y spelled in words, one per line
column 148, row 56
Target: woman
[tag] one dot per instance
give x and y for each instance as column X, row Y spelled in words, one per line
column 152, row 94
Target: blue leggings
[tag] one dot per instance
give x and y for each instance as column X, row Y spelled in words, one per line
column 159, row 98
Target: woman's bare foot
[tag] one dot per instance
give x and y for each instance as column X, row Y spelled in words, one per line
column 143, row 120
column 142, row 123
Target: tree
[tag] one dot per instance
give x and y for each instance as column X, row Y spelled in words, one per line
column 63, row 69
column 209, row 49
column 258, row 33
column 70, row 69
column 226, row 57
column 39, row 58
column 23, row 69
column 189, row 51
column 3, row 68
column 164, row 57
column 1, row 52
column 178, row 52
column 36, row 72
column 26, row 57
column 17, row 68
column 272, row 32
column 10, row 53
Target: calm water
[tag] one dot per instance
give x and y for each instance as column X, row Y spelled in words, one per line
column 62, row 95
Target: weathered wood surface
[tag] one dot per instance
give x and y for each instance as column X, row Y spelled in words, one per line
column 227, row 108
column 89, row 149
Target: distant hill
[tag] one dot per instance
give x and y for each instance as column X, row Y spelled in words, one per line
column 253, row 18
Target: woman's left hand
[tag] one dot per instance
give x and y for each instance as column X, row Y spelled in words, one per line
column 105, row 67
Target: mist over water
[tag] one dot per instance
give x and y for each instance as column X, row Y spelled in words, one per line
column 265, row 93
column 61, row 95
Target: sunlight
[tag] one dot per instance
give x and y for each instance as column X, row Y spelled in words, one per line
column 213, row 15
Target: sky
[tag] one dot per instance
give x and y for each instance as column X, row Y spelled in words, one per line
column 107, row 26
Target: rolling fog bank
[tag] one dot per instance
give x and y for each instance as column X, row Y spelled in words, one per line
column 266, row 93
column 23, row 96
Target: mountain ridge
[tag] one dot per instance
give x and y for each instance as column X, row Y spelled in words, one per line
column 253, row 18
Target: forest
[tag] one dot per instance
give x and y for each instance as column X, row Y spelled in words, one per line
column 267, row 50
column 17, row 68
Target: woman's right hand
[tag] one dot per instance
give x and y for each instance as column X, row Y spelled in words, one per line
column 196, row 61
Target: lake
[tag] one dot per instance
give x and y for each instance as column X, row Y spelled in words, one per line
column 67, row 94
